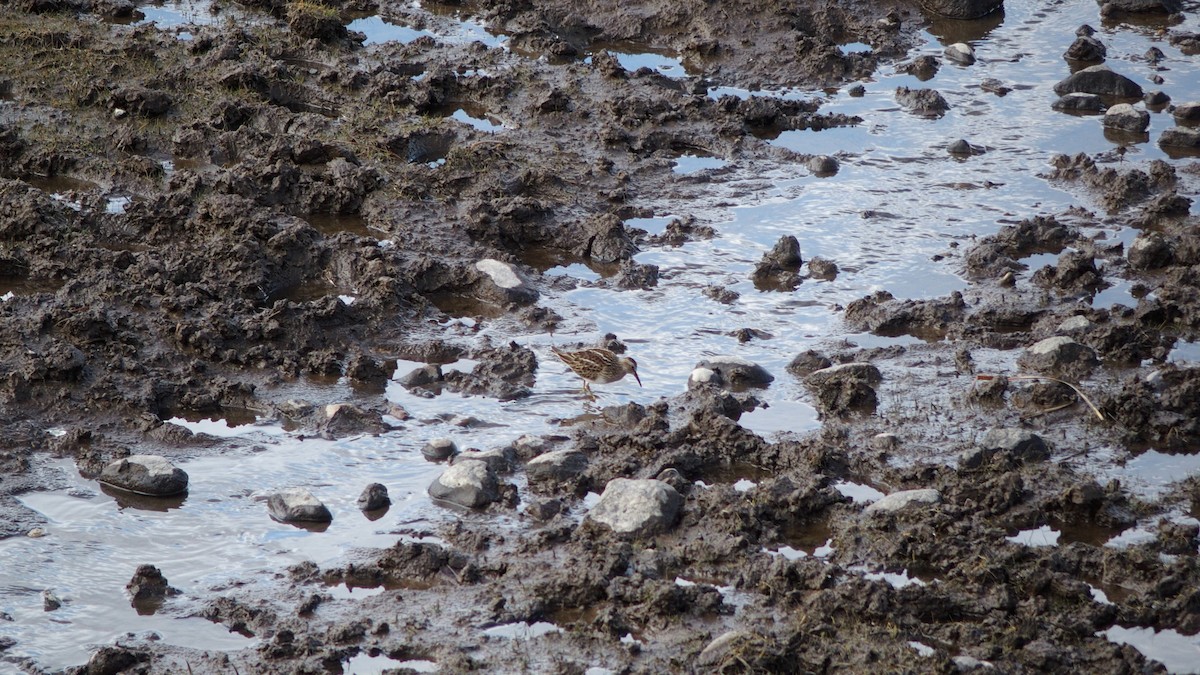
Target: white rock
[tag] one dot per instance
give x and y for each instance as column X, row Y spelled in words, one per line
column 900, row 500
column 297, row 505
column 471, row 484
column 501, row 273
column 145, row 475
column 960, row 53
column 637, row 507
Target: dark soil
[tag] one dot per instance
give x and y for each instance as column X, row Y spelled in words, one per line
column 217, row 288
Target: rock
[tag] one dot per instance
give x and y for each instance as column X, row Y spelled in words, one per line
column 420, row 377
column 778, row 268
column 1125, row 117
column 898, row 501
column 1180, row 137
column 439, row 450
column 1100, row 80
column 556, row 468
column 959, row 147
column 963, row 9
column 297, row 505
column 972, row 458
column 1059, row 355
column 149, row 475
column 1149, row 251
column 140, row 100
column 737, row 372
column 842, row 388
column 1086, row 48
column 1017, row 443
column 923, row 67
column 923, row 102
column 499, row 460
column 995, row 86
column 822, row 165
column 115, row 660
column 347, row 419
column 1078, row 102
column 820, row 268
column 148, row 583
column 1156, row 100
column 705, row 377
column 468, row 484
column 508, row 284
column 968, row 663
column 374, row 497
column 637, row 507
column 808, row 361
column 857, row 90
column 1186, row 112
column 1075, row 324
column 884, row 442
column 50, row 600
column 1115, row 7
column 961, row 53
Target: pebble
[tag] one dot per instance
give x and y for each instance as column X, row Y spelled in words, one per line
column 961, row 53
column 439, row 450
column 1125, row 117
column 736, row 371
column 1059, row 355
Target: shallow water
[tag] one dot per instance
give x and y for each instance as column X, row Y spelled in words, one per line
column 898, row 200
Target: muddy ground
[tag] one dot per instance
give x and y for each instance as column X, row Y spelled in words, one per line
column 216, row 288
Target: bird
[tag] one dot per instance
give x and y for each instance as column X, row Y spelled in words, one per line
column 598, row 365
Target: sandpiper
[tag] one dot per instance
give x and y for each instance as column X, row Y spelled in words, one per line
column 598, row 365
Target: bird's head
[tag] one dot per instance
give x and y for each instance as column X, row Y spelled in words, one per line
column 630, row 367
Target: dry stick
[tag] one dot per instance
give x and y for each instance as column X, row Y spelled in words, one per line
column 1077, row 390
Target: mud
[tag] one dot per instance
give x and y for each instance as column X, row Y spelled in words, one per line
column 184, row 269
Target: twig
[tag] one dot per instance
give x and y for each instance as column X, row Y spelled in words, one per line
column 1074, row 388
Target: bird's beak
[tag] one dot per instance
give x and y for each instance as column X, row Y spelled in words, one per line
column 639, row 380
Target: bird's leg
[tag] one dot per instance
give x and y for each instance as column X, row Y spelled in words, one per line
column 587, row 390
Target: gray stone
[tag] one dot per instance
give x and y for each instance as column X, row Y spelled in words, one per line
column 959, row 147
column 439, row 450
column 1156, row 99
column 807, row 362
column 1186, row 112
column 923, row 102
column 1086, row 48
column 714, row 652
column 1150, row 250
column 822, row 268
column 420, row 377
column 297, row 505
column 1100, row 80
column 1075, row 324
column 1018, row 443
column 972, row 458
column 1078, row 102
column 1059, row 355
column 505, row 283
column 700, row 377
column 1114, row 7
column 898, row 501
column 469, row 484
column 969, row 663
column 884, row 442
column 823, row 165
column 963, row 9
column 50, row 600
column 552, row 468
column 737, row 372
column 150, row 475
column 637, row 507
column 1125, row 117
column 374, row 497
column 1180, row 137
column 961, row 53
column 347, row 419
column 860, row 371
column 499, row 460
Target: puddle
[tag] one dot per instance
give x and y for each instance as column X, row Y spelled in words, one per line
column 781, row 417
column 1179, row 653
column 652, row 226
column 1185, row 353
column 1037, row 537
column 378, row 30
column 1152, row 472
column 859, row 494
column 330, row 224
column 556, row 262
column 365, row 664
column 634, row 56
column 522, row 630
column 688, row 164
column 896, row 580
column 480, row 120
column 809, row 539
column 11, row 287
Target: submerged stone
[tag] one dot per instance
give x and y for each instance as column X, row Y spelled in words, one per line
column 150, row 475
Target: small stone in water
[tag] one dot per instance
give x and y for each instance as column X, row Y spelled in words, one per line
column 373, row 497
